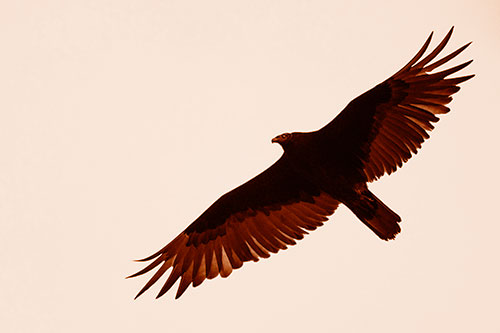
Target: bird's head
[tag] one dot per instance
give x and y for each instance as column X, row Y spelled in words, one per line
column 282, row 139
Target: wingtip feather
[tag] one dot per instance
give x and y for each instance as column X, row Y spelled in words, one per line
column 417, row 56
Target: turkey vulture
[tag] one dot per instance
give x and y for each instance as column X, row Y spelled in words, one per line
column 375, row 134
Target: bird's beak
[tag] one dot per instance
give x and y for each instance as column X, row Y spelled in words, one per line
column 274, row 140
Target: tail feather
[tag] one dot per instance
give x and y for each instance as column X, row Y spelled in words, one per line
column 376, row 215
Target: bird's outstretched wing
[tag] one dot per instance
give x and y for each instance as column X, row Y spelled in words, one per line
column 380, row 130
column 262, row 216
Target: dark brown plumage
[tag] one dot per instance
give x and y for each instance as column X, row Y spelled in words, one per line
column 374, row 135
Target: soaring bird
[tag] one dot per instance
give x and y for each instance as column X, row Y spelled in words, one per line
column 374, row 135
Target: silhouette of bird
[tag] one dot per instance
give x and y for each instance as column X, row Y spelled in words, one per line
column 374, row 135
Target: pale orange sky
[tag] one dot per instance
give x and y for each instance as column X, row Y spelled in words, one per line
column 121, row 121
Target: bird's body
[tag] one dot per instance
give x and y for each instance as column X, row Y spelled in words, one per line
column 374, row 135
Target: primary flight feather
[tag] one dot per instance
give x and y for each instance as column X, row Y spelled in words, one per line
column 375, row 134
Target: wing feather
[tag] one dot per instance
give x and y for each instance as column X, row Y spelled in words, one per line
column 384, row 127
column 237, row 242
column 201, row 272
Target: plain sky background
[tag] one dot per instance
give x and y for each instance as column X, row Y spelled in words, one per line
column 122, row 121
